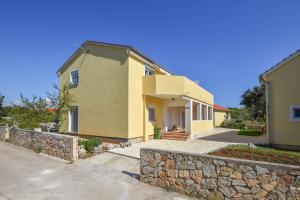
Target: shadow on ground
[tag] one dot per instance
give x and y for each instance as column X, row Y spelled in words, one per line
column 233, row 137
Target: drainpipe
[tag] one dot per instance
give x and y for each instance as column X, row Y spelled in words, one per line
column 267, row 89
column 145, row 136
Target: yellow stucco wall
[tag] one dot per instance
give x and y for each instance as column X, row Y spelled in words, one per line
column 200, row 126
column 283, row 85
column 135, row 98
column 176, row 85
column 219, row 117
column 102, row 93
column 158, row 105
column 111, row 97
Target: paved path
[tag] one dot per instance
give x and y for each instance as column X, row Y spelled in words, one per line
column 202, row 143
column 25, row 175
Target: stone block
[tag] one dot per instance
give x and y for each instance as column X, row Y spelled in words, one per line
column 226, row 171
column 183, row 174
column 196, row 175
column 170, row 164
column 209, row 171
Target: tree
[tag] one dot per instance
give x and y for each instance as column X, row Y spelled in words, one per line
column 33, row 111
column 61, row 100
column 1, row 105
column 239, row 114
column 254, row 102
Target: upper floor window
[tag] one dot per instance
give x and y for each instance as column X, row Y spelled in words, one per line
column 74, row 77
column 148, row 71
column 295, row 113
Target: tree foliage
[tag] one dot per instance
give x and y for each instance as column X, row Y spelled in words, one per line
column 2, row 113
column 61, row 100
column 254, row 102
column 33, row 111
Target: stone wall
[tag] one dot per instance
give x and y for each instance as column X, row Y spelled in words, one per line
column 57, row 145
column 211, row 177
column 2, row 133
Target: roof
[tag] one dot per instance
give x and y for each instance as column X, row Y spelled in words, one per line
column 220, row 108
column 281, row 63
column 131, row 48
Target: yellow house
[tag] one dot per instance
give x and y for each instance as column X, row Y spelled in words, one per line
column 220, row 115
column 122, row 94
column 283, row 102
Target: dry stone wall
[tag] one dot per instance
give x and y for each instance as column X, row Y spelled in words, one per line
column 2, row 133
column 211, row 177
column 57, row 145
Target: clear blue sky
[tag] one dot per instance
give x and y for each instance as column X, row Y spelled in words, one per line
column 223, row 44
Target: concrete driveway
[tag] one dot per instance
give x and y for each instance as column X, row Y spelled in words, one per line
column 25, row 175
column 202, row 143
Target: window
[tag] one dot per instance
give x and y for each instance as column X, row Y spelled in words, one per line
column 209, row 113
column 74, row 77
column 295, row 113
column 73, row 119
column 148, row 71
column 196, row 114
column 151, row 114
column 204, row 112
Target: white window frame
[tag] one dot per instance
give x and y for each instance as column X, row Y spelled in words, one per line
column 148, row 68
column 292, row 118
column 151, row 107
column 209, row 113
column 69, row 119
column 206, row 113
column 71, row 78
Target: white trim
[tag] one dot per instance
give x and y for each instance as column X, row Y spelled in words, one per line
column 292, row 107
column 71, row 78
column 69, row 120
column 290, row 57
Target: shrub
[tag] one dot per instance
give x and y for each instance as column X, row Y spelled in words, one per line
column 244, row 125
column 90, row 144
column 37, row 149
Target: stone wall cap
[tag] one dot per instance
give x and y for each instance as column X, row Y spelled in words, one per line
column 242, row 161
column 49, row 133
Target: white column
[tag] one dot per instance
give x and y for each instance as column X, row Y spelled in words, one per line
column 206, row 112
column 188, row 116
column 198, row 111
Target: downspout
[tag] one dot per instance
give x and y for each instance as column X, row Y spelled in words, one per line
column 267, row 109
column 145, row 136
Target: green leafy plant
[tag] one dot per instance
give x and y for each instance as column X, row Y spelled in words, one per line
column 37, row 149
column 90, row 144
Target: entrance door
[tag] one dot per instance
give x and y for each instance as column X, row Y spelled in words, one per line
column 73, row 126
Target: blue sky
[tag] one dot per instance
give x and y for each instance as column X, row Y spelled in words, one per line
column 224, row 45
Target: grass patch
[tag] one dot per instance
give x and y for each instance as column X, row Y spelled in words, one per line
column 259, row 154
column 250, row 133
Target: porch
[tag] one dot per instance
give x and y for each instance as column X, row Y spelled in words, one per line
column 177, row 105
column 179, row 118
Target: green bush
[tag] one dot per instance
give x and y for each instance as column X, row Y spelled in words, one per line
column 244, row 125
column 90, row 144
column 37, row 149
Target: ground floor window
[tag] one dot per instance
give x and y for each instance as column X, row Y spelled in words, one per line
column 295, row 113
column 73, row 119
column 204, row 112
column 196, row 115
column 209, row 113
column 151, row 114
